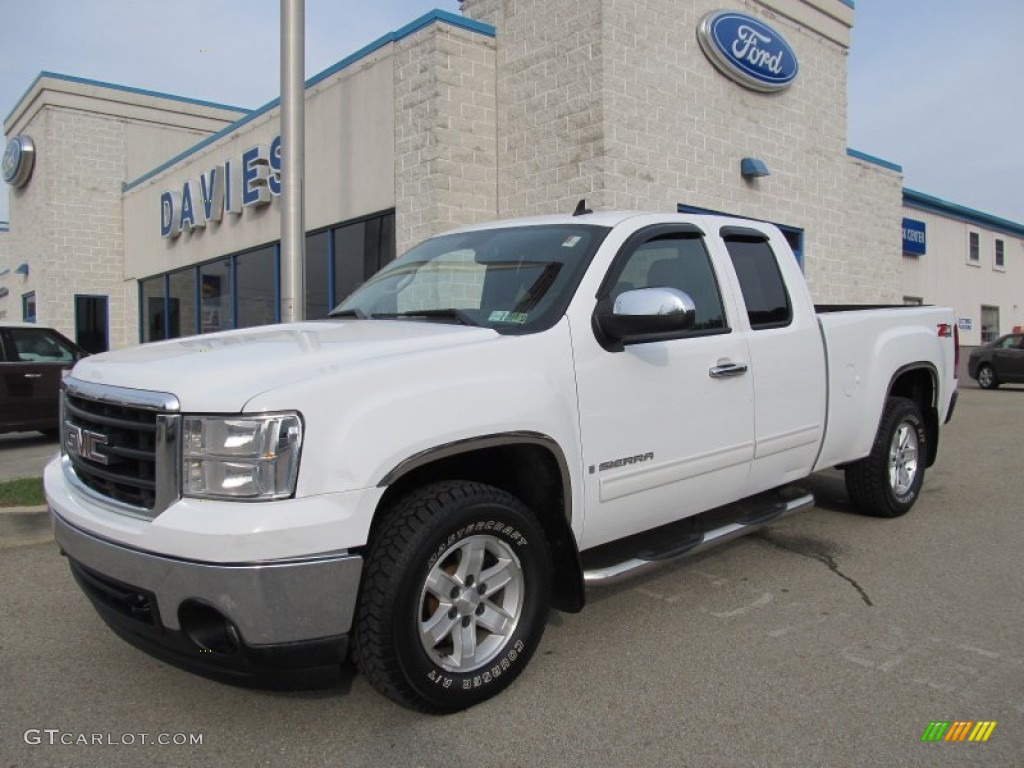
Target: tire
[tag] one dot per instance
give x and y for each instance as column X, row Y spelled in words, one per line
column 425, row 595
column 987, row 377
column 887, row 482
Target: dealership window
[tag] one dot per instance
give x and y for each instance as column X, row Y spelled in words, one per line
column 989, row 324
column 358, row 250
column 256, row 294
column 28, row 307
column 92, row 323
column 181, row 303
column 974, row 248
column 152, row 310
column 318, row 275
column 215, row 310
column 243, row 290
column 999, row 262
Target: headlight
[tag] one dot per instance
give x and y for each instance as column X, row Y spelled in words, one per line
column 241, row 457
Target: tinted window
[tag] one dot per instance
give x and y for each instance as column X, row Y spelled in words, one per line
column 764, row 291
column 675, row 261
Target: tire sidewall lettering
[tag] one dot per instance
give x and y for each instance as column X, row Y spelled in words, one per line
column 475, row 685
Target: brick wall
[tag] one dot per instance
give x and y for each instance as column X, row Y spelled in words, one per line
column 613, row 100
column 445, row 122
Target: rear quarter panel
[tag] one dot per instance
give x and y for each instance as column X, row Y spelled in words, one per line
column 866, row 349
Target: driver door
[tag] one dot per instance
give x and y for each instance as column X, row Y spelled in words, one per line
column 665, row 434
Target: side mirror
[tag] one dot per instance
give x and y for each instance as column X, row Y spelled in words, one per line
column 646, row 314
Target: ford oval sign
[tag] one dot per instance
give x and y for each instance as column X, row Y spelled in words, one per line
column 747, row 50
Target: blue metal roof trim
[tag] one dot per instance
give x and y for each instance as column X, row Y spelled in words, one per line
column 923, row 202
column 848, row 3
column 391, row 37
column 116, row 87
column 874, row 160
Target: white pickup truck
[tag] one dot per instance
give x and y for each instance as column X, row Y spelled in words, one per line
column 500, row 417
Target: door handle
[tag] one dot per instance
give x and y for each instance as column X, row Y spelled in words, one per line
column 33, row 375
column 728, row 369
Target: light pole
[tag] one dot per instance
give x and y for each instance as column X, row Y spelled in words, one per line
column 293, row 141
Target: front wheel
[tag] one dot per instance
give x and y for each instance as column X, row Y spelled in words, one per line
column 454, row 598
column 887, row 482
column 987, row 377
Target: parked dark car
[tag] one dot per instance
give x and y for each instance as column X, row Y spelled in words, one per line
column 33, row 360
column 998, row 362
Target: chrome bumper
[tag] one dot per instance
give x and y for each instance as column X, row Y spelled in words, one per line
column 270, row 603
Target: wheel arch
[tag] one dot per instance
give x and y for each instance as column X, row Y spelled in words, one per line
column 919, row 382
column 530, row 466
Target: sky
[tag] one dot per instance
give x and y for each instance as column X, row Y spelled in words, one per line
column 933, row 86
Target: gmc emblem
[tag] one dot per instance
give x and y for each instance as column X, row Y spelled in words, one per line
column 84, row 443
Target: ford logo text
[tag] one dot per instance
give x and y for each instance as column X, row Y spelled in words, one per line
column 747, row 50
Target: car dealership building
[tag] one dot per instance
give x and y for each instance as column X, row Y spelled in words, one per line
column 136, row 216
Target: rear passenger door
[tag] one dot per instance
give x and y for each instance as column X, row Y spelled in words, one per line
column 787, row 357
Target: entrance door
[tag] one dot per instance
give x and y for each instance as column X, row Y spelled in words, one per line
column 92, row 331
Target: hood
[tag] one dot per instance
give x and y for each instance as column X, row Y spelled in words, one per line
column 220, row 372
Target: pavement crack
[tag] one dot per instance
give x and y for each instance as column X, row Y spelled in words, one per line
column 825, row 559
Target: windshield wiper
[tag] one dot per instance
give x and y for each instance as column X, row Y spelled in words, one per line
column 448, row 313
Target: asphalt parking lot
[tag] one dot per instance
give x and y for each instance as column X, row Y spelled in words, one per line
column 828, row 640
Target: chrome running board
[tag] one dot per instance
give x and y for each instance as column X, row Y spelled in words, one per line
column 613, row 574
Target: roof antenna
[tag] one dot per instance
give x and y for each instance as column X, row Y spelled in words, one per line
column 581, row 208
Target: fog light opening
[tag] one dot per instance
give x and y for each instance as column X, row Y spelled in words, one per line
column 208, row 628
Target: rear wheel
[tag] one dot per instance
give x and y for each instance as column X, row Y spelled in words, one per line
column 454, row 597
column 887, row 482
column 987, row 377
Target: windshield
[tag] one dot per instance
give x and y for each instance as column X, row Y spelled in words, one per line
column 514, row 280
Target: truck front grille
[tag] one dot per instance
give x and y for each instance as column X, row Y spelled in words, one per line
column 129, row 450
column 122, row 445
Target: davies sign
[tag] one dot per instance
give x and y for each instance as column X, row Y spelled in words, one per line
column 244, row 182
column 748, row 51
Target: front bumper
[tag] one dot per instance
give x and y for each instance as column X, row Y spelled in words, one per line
column 274, row 623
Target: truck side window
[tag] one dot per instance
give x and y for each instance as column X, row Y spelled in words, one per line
column 672, row 261
column 764, row 292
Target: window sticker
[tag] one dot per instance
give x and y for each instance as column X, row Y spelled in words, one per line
column 570, row 242
column 499, row 316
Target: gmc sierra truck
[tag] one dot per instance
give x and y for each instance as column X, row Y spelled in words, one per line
column 500, row 418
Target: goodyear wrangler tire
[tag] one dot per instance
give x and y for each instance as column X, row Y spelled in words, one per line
column 454, row 597
column 888, row 481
